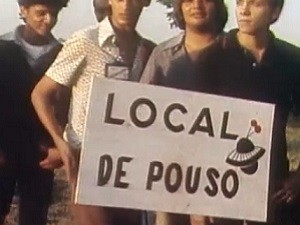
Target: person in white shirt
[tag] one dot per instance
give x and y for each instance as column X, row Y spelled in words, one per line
column 84, row 55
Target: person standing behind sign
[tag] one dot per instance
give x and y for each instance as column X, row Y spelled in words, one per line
column 174, row 63
column 256, row 65
column 101, row 10
column 25, row 145
column 102, row 51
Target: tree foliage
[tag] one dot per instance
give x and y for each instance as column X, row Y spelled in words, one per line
column 169, row 13
column 167, row 3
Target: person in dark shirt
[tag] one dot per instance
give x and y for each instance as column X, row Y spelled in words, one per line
column 14, row 87
column 27, row 152
column 248, row 63
column 17, row 140
column 255, row 65
column 175, row 63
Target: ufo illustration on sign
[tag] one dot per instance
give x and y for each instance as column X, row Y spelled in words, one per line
column 246, row 154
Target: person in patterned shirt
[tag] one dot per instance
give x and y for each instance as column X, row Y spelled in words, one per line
column 114, row 41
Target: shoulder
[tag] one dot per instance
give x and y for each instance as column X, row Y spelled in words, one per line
column 10, row 36
column 287, row 50
column 7, row 44
column 12, row 57
column 168, row 48
column 228, row 40
column 171, row 44
column 10, row 48
column 150, row 45
column 84, row 36
column 78, row 44
column 56, row 46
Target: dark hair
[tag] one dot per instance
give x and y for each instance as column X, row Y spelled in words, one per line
column 278, row 3
column 55, row 3
column 107, row 9
column 148, row 2
column 221, row 14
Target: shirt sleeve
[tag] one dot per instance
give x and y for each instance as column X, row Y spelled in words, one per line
column 68, row 62
column 152, row 71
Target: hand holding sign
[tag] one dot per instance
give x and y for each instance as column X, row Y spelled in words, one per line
column 290, row 190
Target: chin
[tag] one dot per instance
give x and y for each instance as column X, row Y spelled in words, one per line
column 126, row 27
column 246, row 31
column 45, row 33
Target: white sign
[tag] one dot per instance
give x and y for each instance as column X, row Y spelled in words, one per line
column 162, row 149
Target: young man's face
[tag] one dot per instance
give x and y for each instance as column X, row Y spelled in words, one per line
column 125, row 13
column 199, row 14
column 255, row 16
column 40, row 18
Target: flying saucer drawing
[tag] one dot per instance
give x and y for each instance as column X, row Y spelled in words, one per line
column 246, row 154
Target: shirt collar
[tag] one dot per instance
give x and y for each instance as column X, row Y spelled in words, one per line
column 174, row 43
column 177, row 43
column 105, row 31
column 268, row 57
column 16, row 35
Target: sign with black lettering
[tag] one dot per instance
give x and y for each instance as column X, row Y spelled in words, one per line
column 162, row 149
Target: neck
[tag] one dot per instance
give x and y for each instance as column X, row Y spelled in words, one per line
column 196, row 41
column 30, row 36
column 127, row 42
column 256, row 44
column 127, row 37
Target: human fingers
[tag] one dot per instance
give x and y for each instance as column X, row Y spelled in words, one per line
column 43, row 163
column 46, row 166
column 68, row 173
column 71, row 166
column 279, row 196
column 290, row 199
column 49, row 165
column 284, row 196
column 74, row 168
column 66, row 164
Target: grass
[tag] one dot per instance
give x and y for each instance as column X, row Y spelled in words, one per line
column 59, row 213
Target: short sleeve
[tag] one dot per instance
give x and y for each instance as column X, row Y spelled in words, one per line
column 68, row 62
column 152, row 70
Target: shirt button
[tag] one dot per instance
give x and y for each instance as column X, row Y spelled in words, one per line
column 254, row 64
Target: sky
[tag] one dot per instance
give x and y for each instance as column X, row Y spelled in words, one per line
column 153, row 23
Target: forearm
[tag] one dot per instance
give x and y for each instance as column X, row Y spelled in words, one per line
column 44, row 102
column 61, row 107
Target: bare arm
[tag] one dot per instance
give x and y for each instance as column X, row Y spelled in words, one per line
column 44, row 99
column 46, row 104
